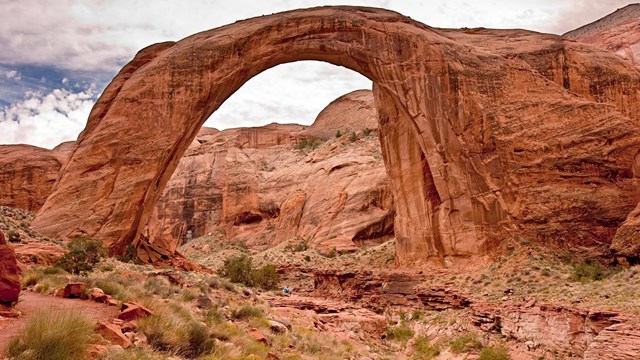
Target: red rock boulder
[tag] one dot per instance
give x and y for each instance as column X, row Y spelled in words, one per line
column 9, row 278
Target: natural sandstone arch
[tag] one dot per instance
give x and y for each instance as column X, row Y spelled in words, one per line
column 446, row 114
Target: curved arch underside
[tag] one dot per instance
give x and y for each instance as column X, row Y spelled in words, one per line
column 473, row 155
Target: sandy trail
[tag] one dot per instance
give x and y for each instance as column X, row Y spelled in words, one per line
column 31, row 302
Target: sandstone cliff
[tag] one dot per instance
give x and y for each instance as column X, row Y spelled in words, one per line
column 27, row 174
column 261, row 186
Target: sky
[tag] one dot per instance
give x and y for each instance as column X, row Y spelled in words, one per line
column 56, row 57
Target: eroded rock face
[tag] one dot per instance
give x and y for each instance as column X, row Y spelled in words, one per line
column 27, row 174
column 9, row 278
column 478, row 142
column 259, row 187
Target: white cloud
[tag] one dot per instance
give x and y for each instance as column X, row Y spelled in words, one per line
column 46, row 120
column 11, row 74
column 99, row 35
column 103, row 35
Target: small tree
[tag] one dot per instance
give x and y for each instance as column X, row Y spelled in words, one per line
column 239, row 269
column 83, row 255
column 267, row 277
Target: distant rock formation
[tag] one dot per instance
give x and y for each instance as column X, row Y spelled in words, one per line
column 261, row 186
column 618, row 32
column 27, row 174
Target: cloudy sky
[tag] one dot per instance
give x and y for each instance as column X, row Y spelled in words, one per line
column 56, row 57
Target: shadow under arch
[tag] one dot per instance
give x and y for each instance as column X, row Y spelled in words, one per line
column 147, row 117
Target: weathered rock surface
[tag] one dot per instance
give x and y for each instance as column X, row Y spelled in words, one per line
column 572, row 332
column 27, row 174
column 9, row 278
column 260, row 188
column 478, row 142
column 618, row 32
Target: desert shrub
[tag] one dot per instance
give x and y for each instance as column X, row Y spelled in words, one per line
column 160, row 286
column 366, row 131
column 221, row 283
column 590, row 270
column 494, row 353
column 424, row 350
column 189, row 295
column 83, row 255
column 14, row 237
column 465, row 343
column 400, row 332
column 353, row 137
column 212, row 316
column 177, row 333
column 52, row 335
column 301, row 246
column 311, row 143
column 417, row 315
column 52, row 271
column 332, row 254
column 307, row 258
column 107, row 267
column 239, row 269
column 30, row 278
column 246, row 312
column 338, row 133
column 113, row 288
column 130, row 255
column 267, row 277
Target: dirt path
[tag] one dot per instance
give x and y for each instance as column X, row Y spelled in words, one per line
column 31, row 302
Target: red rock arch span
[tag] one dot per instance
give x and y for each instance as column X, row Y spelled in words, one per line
column 445, row 111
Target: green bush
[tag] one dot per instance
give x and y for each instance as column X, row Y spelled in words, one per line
column 338, row 133
column 267, row 277
column 311, row 143
column 83, row 255
column 465, row 343
column 590, row 270
column 400, row 333
column 366, row 131
column 424, row 350
column 52, row 335
column 177, row 333
column 494, row 353
column 239, row 269
column 246, row 312
column 353, row 137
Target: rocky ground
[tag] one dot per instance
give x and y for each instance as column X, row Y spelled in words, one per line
column 529, row 304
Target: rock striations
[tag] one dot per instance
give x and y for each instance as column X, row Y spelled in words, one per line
column 484, row 134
